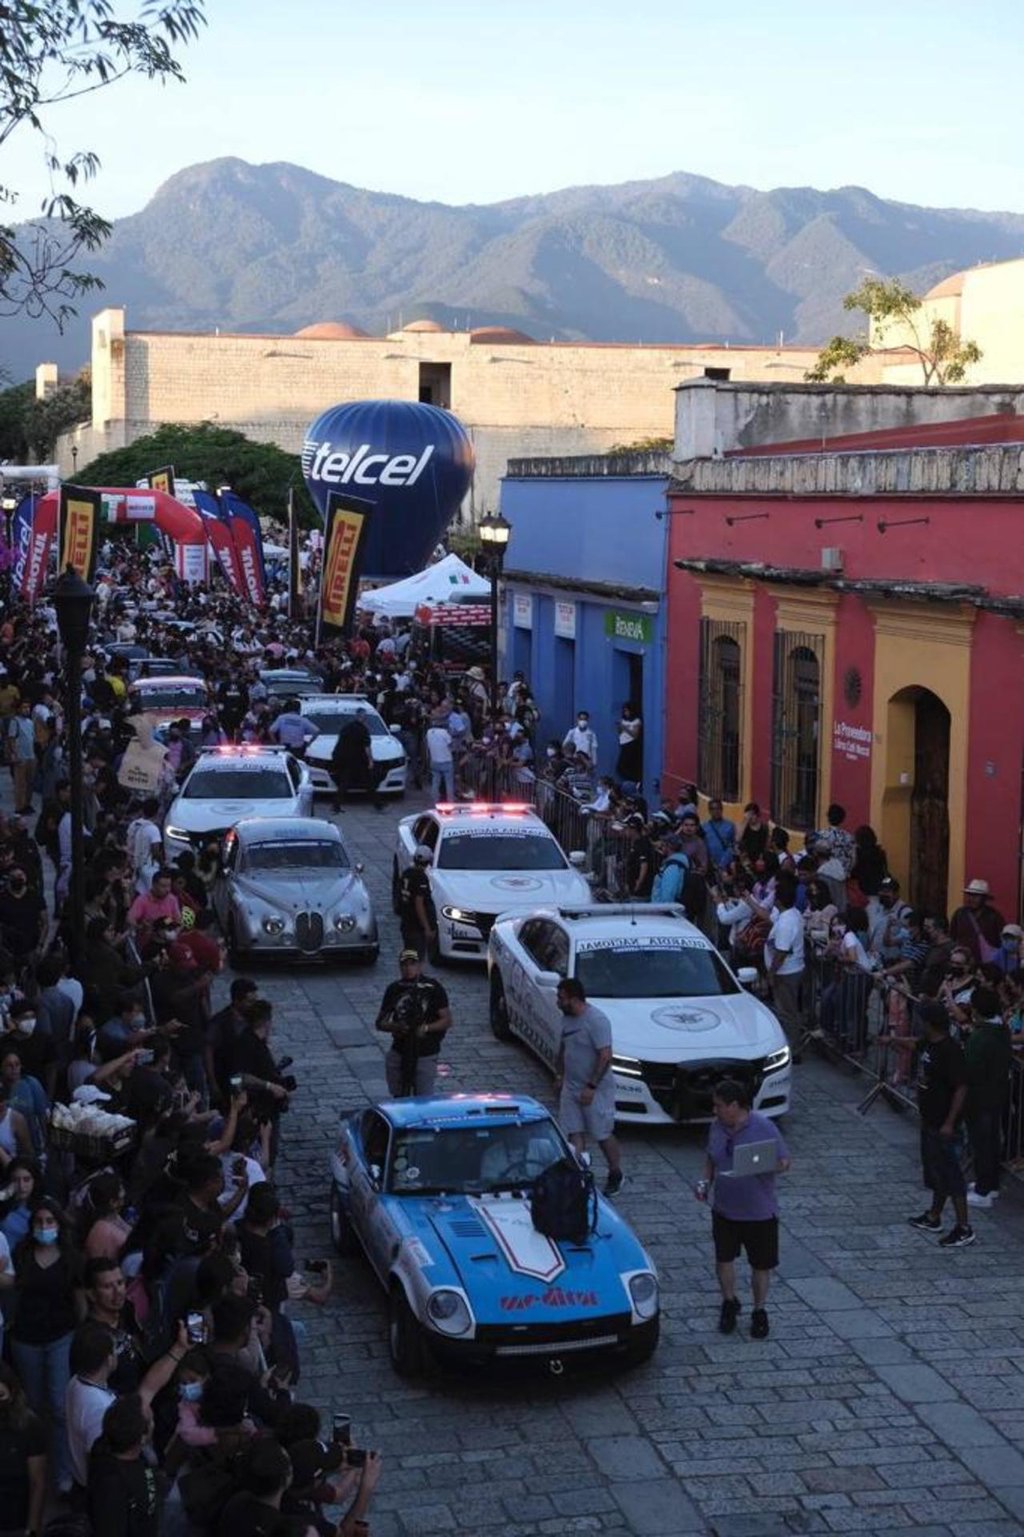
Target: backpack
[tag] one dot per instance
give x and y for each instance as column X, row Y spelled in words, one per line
column 563, row 1202
column 670, row 879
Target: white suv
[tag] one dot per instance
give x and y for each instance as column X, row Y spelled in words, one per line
column 329, row 713
column 680, row 1018
column 485, row 859
column 226, row 784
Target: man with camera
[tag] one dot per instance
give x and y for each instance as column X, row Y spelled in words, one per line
column 415, row 1012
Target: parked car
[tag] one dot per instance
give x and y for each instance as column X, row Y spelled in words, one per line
column 290, row 682
column 680, row 1018
column 434, row 1191
column 177, row 697
column 287, row 886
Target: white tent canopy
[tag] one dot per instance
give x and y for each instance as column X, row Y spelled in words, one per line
column 449, row 580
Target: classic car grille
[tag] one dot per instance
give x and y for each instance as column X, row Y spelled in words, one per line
column 686, row 1092
column 576, row 1333
column 309, row 931
column 565, row 1346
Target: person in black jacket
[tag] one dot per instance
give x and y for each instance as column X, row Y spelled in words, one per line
column 123, row 1493
column 262, row 1079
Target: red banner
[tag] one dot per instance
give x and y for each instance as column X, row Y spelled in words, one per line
column 44, row 529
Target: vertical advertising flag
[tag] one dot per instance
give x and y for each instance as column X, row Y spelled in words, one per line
column 44, row 528
column 248, row 537
column 344, row 545
column 219, row 537
column 160, row 480
column 81, row 509
column 294, row 568
column 21, row 542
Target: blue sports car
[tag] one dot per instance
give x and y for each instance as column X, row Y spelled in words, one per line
column 436, row 1191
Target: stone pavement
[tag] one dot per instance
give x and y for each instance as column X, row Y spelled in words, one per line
column 889, row 1398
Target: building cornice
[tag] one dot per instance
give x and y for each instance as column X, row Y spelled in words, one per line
column 979, row 471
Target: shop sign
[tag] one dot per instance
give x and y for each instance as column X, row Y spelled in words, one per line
column 522, row 610
column 565, row 620
column 851, row 742
column 628, row 626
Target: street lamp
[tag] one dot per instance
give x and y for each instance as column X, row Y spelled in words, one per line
column 495, row 532
column 72, row 602
column 74, row 459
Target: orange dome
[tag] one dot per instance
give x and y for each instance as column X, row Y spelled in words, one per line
column 496, row 335
column 331, row 331
column 950, row 288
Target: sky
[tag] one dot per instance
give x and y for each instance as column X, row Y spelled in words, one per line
column 468, row 101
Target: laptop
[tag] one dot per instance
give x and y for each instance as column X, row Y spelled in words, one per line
column 753, row 1158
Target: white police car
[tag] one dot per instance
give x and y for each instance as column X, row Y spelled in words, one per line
column 486, row 858
column 680, row 1018
column 228, row 783
column 329, row 713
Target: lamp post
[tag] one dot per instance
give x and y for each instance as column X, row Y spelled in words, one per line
column 495, row 532
column 74, row 459
column 72, row 601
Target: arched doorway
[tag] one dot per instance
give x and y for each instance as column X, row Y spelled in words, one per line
column 915, row 827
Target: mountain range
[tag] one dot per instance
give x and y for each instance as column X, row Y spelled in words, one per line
column 272, row 248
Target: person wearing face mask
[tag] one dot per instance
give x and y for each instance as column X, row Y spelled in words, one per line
column 25, row 1095
column 23, row 919
column 580, row 738
column 125, row 1030
column 957, row 986
column 1007, row 957
column 47, row 1279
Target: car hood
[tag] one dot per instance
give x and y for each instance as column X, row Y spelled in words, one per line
column 384, row 748
column 493, row 892
column 300, row 894
column 204, row 815
column 681, row 1029
column 510, row 1271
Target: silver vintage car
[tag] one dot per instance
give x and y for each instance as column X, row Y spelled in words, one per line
column 287, row 887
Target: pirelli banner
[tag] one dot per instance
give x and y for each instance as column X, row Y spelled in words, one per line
column 344, row 543
column 78, row 528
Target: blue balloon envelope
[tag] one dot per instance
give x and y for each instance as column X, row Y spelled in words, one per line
column 414, row 462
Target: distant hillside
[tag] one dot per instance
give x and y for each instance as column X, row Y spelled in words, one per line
column 274, row 247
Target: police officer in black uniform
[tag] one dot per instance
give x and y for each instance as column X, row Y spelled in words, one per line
column 415, row 903
column 415, row 1011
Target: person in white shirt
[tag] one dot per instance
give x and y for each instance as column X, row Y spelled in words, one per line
column 439, row 752
column 580, row 738
column 87, row 1398
column 784, row 955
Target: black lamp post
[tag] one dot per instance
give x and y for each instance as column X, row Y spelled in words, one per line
column 494, row 533
column 72, row 601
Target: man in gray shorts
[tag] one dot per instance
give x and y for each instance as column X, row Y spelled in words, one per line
column 586, row 1106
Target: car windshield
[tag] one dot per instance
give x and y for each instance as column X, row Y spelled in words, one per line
column 500, row 851
column 302, row 854
column 470, row 1160
column 331, row 722
column 656, row 971
column 230, row 784
column 187, row 696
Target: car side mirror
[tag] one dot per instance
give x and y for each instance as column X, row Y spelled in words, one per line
column 548, row 979
column 374, row 1172
column 396, row 731
column 747, row 976
column 577, row 859
column 359, row 868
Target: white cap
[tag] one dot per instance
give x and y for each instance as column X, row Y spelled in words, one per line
column 90, row 1094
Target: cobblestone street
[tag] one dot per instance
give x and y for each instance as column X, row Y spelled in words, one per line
column 890, row 1396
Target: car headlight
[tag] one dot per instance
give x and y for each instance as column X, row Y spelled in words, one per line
column 448, row 1312
column 344, row 923
column 460, row 915
column 643, row 1293
column 629, row 1067
column 175, row 832
column 777, row 1059
column 273, row 925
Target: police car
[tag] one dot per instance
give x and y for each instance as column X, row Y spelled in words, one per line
column 434, row 1190
column 228, row 783
column 329, row 713
column 681, row 1020
column 485, row 859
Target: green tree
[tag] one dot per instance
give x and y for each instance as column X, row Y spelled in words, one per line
column 63, row 407
column 943, row 355
column 15, row 404
column 53, row 52
column 261, row 473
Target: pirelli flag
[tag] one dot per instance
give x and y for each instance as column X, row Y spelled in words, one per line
column 78, row 529
column 160, row 480
column 344, row 541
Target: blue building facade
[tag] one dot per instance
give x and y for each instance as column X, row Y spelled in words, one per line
column 583, row 604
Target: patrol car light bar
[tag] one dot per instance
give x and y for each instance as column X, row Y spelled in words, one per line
column 481, row 808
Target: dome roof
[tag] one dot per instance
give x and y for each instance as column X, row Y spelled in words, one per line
column 423, row 325
column 950, row 288
column 496, row 335
column 331, row 331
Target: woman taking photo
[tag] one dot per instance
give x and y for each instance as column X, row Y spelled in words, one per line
column 47, row 1306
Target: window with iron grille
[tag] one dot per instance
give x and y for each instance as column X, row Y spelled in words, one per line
column 721, row 708
column 796, row 728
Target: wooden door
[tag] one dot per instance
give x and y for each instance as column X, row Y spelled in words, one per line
column 929, row 805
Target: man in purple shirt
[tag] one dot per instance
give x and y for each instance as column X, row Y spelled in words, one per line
column 745, row 1213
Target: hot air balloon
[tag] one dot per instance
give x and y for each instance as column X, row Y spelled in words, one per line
column 413, row 462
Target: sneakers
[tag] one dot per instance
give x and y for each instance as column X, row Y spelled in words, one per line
column 759, row 1324
column 983, row 1202
column 730, row 1312
column 957, row 1238
column 615, row 1181
column 926, row 1221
